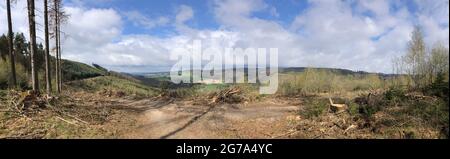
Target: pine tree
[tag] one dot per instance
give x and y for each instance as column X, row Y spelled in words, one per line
column 11, row 46
column 33, row 49
column 47, row 51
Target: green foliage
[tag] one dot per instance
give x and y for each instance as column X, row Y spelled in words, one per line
column 76, row 70
column 435, row 113
column 71, row 70
column 289, row 89
column 3, row 47
column 370, row 104
column 394, row 94
column 438, row 88
column 326, row 81
column 368, row 110
column 208, row 88
column 164, row 85
column 21, row 74
column 353, row 108
column 113, row 83
column 100, row 68
column 422, row 65
column 314, row 107
column 183, row 92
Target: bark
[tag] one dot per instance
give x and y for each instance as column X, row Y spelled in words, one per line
column 11, row 46
column 57, row 66
column 32, row 25
column 47, row 51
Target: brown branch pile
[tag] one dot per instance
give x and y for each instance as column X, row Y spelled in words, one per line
column 23, row 101
column 111, row 93
column 229, row 95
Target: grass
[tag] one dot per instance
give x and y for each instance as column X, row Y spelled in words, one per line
column 75, row 70
column 114, row 84
column 314, row 81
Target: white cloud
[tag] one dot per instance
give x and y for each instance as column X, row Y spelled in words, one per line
column 19, row 16
column 434, row 18
column 344, row 36
column 185, row 13
column 329, row 33
column 274, row 12
column 88, row 30
column 141, row 20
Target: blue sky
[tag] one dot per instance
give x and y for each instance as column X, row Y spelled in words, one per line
column 137, row 35
column 286, row 11
column 154, row 9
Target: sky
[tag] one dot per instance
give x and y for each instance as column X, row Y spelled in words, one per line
column 137, row 35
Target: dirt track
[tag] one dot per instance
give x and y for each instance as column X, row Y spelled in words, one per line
column 182, row 119
column 88, row 115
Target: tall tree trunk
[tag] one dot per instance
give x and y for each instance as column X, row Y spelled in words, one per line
column 60, row 57
column 58, row 88
column 32, row 23
column 47, row 51
column 11, row 46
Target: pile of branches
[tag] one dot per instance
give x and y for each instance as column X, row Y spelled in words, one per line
column 28, row 100
column 168, row 94
column 229, row 95
column 111, row 93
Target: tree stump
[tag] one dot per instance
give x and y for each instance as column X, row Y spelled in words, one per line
column 337, row 108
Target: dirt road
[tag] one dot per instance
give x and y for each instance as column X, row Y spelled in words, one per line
column 183, row 119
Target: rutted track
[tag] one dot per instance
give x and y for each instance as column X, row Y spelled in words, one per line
column 182, row 119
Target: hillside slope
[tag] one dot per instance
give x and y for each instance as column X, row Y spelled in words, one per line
column 76, row 70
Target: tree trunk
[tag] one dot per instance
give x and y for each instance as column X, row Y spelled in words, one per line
column 58, row 88
column 32, row 24
column 11, row 46
column 60, row 57
column 47, row 51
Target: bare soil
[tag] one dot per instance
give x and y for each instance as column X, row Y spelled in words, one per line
column 183, row 119
column 92, row 115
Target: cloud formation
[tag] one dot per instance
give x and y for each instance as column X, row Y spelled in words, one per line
column 358, row 35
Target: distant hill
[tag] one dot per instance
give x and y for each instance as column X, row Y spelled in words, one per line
column 95, row 78
column 159, row 75
column 76, row 70
column 334, row 70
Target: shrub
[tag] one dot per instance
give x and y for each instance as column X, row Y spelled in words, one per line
column 435, row 113
column 353, row 108
column 312, row 81
column 438, row 88
column 289, row 89
column 394, row 95
column 367, row 110
column 314, row 107
column 370, row 104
